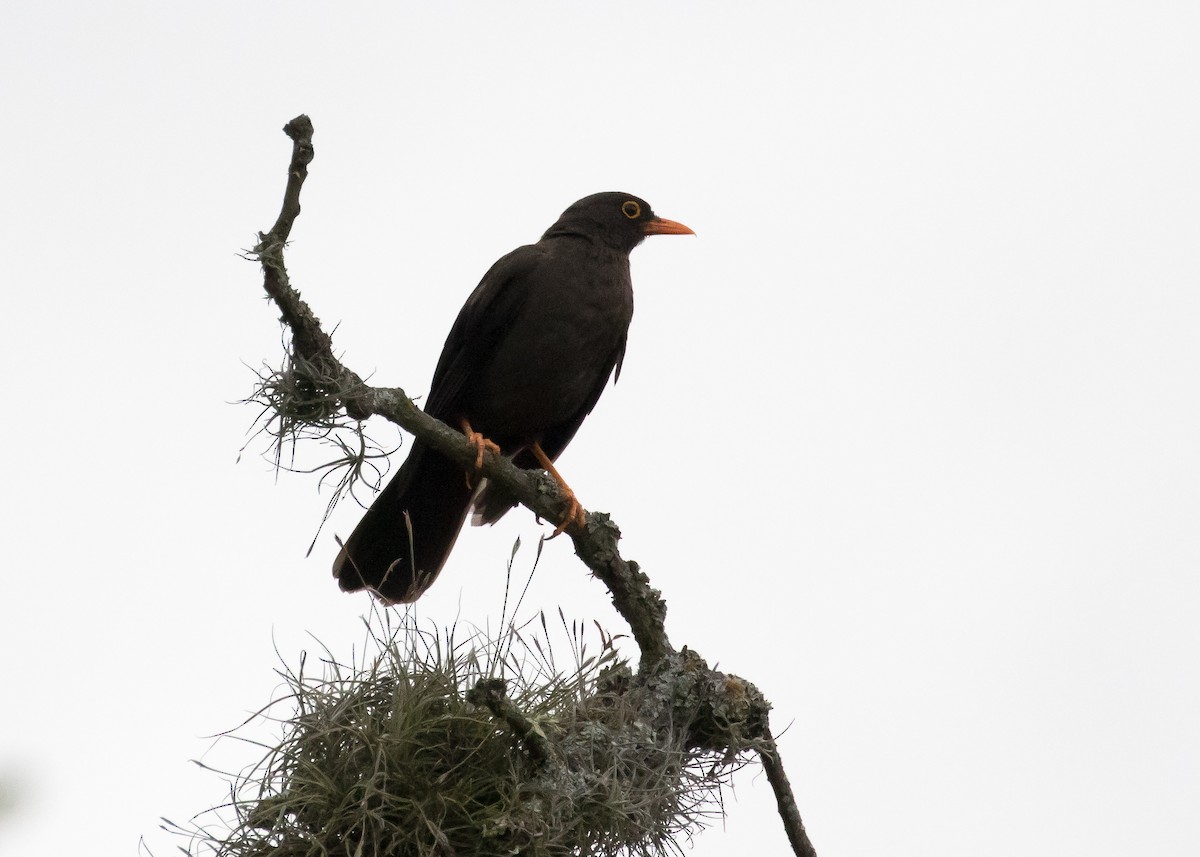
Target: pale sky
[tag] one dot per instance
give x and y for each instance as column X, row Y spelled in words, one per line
column 908, row 434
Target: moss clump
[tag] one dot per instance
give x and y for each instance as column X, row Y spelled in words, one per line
column 399, row 756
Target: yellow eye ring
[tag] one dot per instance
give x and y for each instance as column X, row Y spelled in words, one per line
column 631, row 209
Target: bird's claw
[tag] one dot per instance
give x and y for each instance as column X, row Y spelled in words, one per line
column 574, row 516
column 480, row 443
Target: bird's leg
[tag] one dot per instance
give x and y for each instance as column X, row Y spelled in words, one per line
column 574, row 514
column 480, row 443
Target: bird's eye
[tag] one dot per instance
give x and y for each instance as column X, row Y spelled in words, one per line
column 631, row 209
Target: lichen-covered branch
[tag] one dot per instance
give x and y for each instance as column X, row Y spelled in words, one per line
column 310, row 341
column 677, row 691
column 492, row 694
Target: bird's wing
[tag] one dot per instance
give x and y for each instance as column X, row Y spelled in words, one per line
column 488, row 312
column 556, row 438
column 620, row 361
column 491, row 503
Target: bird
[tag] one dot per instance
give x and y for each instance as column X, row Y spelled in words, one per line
column 525, row 362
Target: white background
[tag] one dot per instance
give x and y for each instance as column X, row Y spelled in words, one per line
column 908, row 434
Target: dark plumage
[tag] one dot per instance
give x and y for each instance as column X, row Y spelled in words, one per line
column 526, row 360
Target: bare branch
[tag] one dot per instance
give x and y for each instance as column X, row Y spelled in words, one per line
column 785, row 799
column 309, row 339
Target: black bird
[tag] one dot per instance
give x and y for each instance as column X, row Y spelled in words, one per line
column 526, row 360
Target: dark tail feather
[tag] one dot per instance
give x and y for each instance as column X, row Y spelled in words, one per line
column 404, row 539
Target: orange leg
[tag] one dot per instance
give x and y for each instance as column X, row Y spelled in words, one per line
column 575, row 514
column 479, row 442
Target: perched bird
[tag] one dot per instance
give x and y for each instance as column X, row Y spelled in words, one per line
column 526, row 360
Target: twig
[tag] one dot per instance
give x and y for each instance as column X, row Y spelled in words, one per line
column 300, row 130
column 309, row 340
column 785, row 799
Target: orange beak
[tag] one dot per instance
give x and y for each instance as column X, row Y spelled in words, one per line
column 662, row 226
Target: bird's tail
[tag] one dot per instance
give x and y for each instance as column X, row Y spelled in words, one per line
column 404, row 539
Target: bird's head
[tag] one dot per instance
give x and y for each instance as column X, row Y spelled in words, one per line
column 619, row 220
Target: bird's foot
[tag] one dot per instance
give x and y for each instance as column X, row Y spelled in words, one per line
column 480, row 443
column 575, row 515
